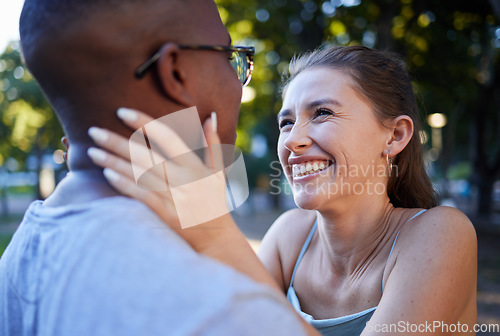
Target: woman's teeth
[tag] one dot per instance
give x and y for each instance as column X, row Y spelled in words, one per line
column 309, row 167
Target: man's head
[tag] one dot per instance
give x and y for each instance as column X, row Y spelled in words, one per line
column 84, row 55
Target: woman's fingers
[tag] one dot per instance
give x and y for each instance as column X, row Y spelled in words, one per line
column 155, row 180
column 138, row 156
column 142, row 166
column 178, row 175
column 108, row 160
column 156, row 135
column 214, row 157
column 111, row 141
column 160, row 202
column 133, row 118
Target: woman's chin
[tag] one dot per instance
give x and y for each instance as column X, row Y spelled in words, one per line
column 307, row 202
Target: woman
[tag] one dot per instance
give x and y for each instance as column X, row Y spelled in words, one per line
column 368, row 252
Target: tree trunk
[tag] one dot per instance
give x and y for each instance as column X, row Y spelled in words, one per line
column 485, row 170
column 388, row 10
column 485, row 195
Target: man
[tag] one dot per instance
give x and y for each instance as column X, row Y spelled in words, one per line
column 90, row 262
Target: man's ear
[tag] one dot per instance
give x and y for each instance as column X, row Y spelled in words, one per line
column 401, row 134
column 171, row 75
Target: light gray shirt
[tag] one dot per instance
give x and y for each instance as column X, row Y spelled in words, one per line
column 111, row 267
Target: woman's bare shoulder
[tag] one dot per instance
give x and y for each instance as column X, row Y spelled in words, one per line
column 290, row 228
column 439, row 230
column 295, row 222
column 442, row 238
column 439, row 222
column 432, row 248
column 282, row 243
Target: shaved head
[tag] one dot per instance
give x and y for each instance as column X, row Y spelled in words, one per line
column 84, row 53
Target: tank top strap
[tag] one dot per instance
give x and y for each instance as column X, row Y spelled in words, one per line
column 396, row 239
column 303, row 250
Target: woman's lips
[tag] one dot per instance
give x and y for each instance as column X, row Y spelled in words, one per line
column 310, row 168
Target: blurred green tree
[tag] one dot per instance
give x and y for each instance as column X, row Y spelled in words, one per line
column 451, row 49
column 28, row 126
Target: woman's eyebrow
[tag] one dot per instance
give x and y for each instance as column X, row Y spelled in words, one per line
column 283, row 113
column 320, row 102
column 309, row 106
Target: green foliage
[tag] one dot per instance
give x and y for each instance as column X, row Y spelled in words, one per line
column 451, row 48
column 459, row 171
column 27, row 122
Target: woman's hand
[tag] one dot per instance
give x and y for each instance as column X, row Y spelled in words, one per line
column 218, row 238
column 197, row 211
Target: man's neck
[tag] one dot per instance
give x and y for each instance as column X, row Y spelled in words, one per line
column 84, row 183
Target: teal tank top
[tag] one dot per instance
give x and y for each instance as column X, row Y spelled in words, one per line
column 349, row 325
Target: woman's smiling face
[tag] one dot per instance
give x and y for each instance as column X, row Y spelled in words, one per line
column 331, row 144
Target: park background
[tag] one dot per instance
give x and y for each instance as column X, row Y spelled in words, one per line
column 452, row 50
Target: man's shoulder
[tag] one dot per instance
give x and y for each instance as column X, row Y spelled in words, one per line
column 137, row 265
column 126, row 271
column 123, row 243
column 109, row 223
column 122, row 232
column 112, row 238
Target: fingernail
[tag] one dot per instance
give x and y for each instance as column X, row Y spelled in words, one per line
column 111, row 175
column 98, row 134
column 214, row 121
column 96, row 154
column 127, row 114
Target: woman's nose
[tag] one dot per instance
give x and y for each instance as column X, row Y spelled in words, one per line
column 298, row 139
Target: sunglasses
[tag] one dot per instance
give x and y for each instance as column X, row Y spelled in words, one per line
column 241, row 60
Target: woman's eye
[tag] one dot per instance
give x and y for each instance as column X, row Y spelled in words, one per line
column 323, row 112
column 285, row 123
